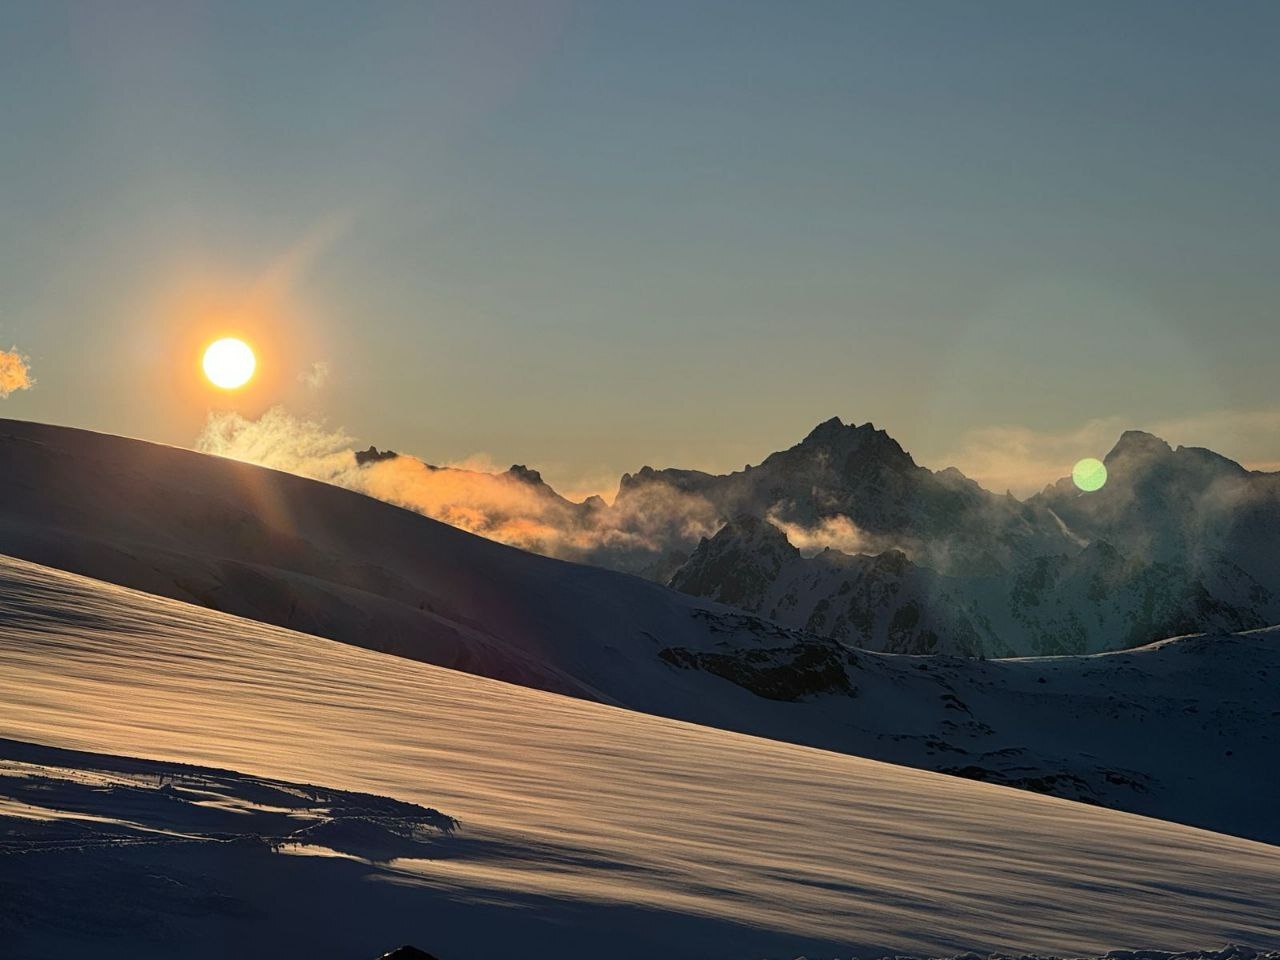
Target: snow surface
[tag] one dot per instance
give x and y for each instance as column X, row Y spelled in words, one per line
column 586, row 830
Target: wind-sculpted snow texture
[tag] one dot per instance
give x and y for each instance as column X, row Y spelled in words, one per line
column 1156, row 731
column 110, row 803
column 582, row 828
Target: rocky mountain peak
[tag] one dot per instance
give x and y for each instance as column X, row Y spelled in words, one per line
column 520, row 472
column 1138, row 445
column 892, row 560
column 1138, row 452
column 686, row 480
column 844, row 443
column 374, row 455
column 738, row 563
column 826, row 432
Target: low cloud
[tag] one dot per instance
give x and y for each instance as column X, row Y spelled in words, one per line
column 283, row 442
column 15, row 373
column 513, row 507
column 835, row 533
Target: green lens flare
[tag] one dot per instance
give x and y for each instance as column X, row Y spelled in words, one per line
column 1089, row 474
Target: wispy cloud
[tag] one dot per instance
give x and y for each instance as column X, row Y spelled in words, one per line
column 281, row 441
column 316, row 375
column 15, row 372
column 838, row 533
column 474, row 494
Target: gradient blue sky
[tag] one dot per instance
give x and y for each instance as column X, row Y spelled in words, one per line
column 589, row 236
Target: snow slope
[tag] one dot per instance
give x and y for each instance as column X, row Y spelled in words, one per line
column 1156, row 731
column 585, row 830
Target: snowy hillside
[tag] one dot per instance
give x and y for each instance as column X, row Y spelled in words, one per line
column 582, row 829
column 1156, row 731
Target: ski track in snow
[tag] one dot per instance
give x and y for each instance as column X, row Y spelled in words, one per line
column 586, row 830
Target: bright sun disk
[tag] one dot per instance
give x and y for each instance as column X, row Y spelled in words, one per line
column 229, row 363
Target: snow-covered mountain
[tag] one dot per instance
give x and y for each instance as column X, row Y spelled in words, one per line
column 1177, row 505
column 1175, row 542
column 293, row 552
column 343, row 801
column 1090, row 600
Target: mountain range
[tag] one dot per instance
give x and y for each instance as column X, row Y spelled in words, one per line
column 1176, row 541
column 846, row 536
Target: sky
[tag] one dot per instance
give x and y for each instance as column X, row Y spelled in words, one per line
column 591, row 236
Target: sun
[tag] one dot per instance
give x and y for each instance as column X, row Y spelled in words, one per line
column 229, row 363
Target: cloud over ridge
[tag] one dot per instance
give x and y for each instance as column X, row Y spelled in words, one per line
column 513, row 506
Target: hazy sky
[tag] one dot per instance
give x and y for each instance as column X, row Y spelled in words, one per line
column 589, row 236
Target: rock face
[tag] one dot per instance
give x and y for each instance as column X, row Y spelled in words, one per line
column 519, row 471
column 739, row 565
column 374, row 455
